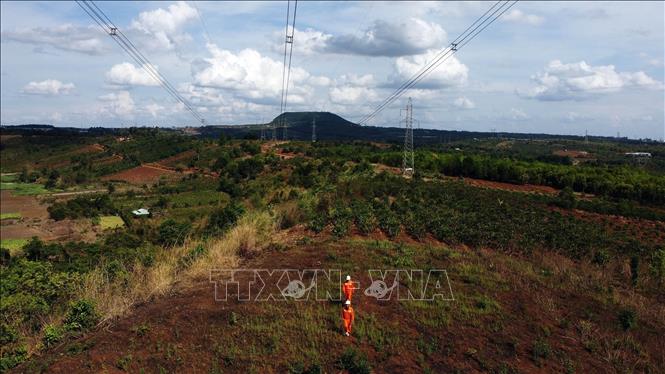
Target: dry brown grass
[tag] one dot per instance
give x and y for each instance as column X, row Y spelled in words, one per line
column 115, row 298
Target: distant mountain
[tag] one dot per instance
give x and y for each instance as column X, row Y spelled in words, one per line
column 330, row 126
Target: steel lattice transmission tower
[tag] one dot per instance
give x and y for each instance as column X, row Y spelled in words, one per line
column 314, row 129
column 408, row 159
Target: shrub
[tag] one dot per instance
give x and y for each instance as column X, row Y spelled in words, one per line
column 601, row 257
column 173, row 233
column 541, row 350
column 363, row 217
column 52, row 335
column 658, row 265
column 566, row 199
column 223, row 219
column 82, row 315
column 341, row 220
column 627, row 319
column 12, row 357
column 355, row 362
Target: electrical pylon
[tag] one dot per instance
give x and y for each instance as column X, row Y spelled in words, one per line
column 408, row 159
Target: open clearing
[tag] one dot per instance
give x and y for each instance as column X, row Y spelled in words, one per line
column 477, row 332
column 13, row 245
column 110, row 222
column 141, row 174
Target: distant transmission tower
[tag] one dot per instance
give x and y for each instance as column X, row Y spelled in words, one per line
column 314, row 129
column 586, row 136
column 408, row 160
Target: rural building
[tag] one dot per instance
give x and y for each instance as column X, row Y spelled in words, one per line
column 140, row 212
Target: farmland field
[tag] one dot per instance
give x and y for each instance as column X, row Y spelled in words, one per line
column 552, row 265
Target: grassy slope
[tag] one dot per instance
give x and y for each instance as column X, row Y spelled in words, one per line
column 510, row 314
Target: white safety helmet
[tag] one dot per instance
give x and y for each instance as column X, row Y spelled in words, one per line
column 348, row 277
column 347, row 302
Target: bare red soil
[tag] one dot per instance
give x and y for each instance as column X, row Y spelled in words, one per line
column 185, row 329
column 147, row 173
column 175, row 159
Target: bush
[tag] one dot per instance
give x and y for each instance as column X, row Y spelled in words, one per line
column 355, row 362
column 82, row 315
column 223, row 219
column 566, row 199
column 172, row 233
column 363, row 217
column 341, row 221
column 627, row 319
column 389, row 222
column 601, row 257
column 52, row 335
column 82, row 207
column 541, row 350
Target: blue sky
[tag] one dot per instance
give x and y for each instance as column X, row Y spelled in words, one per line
column 553, row 67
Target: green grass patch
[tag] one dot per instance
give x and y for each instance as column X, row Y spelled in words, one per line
column 13, row 245
column 24, row 188
column 110, row 222
column 10, row 216
column 6, row 178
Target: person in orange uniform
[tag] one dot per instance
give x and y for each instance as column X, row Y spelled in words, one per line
column 348, row 316
column 347, row 288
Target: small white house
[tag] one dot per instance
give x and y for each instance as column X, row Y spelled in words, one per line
column 140, row 212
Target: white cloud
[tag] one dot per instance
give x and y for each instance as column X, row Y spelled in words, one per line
column 118, row 104
column 127, row 74
column 250, row 75
column 518, row 114
column 352, row 95
column 49, row 87
column 306, row 42
column 384, row 38
column 449, row 73
column 87, row 40
column 154, row 109
column 464, row 103
column 164, row 26
column 518, row 16
column 577, row 80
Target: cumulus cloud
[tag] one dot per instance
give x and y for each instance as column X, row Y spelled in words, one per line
column 464, row 103
column 518, row 16
column 49, row 87
column 307, row 42
column 578, row 80
column 250, row 75
column 164, row 26
column 66, row 37
column 350, row 89
column 392, row 39
column 118, row 104
column 126, row 74
column 450, row 73
column 351, row 95
column 518, row 114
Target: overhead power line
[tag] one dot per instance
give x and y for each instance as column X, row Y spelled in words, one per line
column 121, row 39
column 478, row 26
column 286, row 69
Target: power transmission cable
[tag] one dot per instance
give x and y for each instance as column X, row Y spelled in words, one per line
column 135, row 53
column 286, row 72
column 121, row 39
column 440, row 53
column 141, row 60
column 427, row 67
column 443, row 55
column 203, row 24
